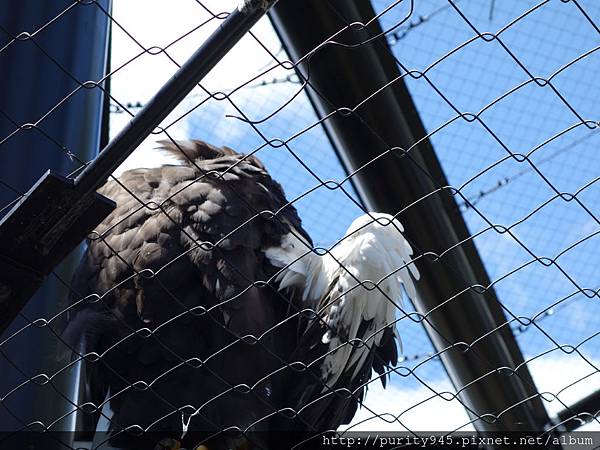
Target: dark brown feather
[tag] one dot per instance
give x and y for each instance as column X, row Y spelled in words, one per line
column 179, row 256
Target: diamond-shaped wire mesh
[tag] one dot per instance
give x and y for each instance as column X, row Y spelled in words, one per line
column 528, row 167
column 506, row 93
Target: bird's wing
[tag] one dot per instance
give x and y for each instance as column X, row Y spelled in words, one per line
column 179, row 256
column 340, row 353
column 353, row 331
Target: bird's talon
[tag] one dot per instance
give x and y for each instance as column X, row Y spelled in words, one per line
column 168, row 444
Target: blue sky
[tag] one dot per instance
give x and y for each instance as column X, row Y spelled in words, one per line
column 471, row 78
column 545, row 40
column 553, row 36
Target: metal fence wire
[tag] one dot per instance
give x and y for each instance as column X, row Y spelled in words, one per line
column 473, row 123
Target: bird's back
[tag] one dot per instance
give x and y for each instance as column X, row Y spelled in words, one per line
column 167, row 295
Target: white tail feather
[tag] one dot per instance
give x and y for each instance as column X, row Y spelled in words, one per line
column 362, row 274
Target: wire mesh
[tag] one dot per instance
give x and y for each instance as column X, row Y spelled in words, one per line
column 529, row 88
column 510, row 114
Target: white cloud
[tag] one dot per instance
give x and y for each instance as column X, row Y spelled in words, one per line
column 155, row 23
column 569, row 377
column 419, row 412
column 416, row 408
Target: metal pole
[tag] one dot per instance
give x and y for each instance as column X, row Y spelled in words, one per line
column 170, row 95
column 31, row 83
column 342, row 76
column 580, row 412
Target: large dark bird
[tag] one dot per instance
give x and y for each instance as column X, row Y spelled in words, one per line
column 193, row 307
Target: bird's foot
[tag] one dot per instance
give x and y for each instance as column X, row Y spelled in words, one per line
column 168, row 444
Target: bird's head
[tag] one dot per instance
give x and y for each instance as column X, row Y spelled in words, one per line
column 379, row 239
column 382, row 225
column 382, row 230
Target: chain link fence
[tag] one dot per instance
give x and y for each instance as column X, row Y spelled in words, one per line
column 526, row 89
column 483, row 129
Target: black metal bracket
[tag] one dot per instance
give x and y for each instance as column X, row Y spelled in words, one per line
column 39, row 231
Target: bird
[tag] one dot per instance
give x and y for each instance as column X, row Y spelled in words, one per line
column 203, row 314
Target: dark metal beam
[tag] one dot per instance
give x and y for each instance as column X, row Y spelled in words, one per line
column 582, row 411
column 173, row 92
column 341, row 75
